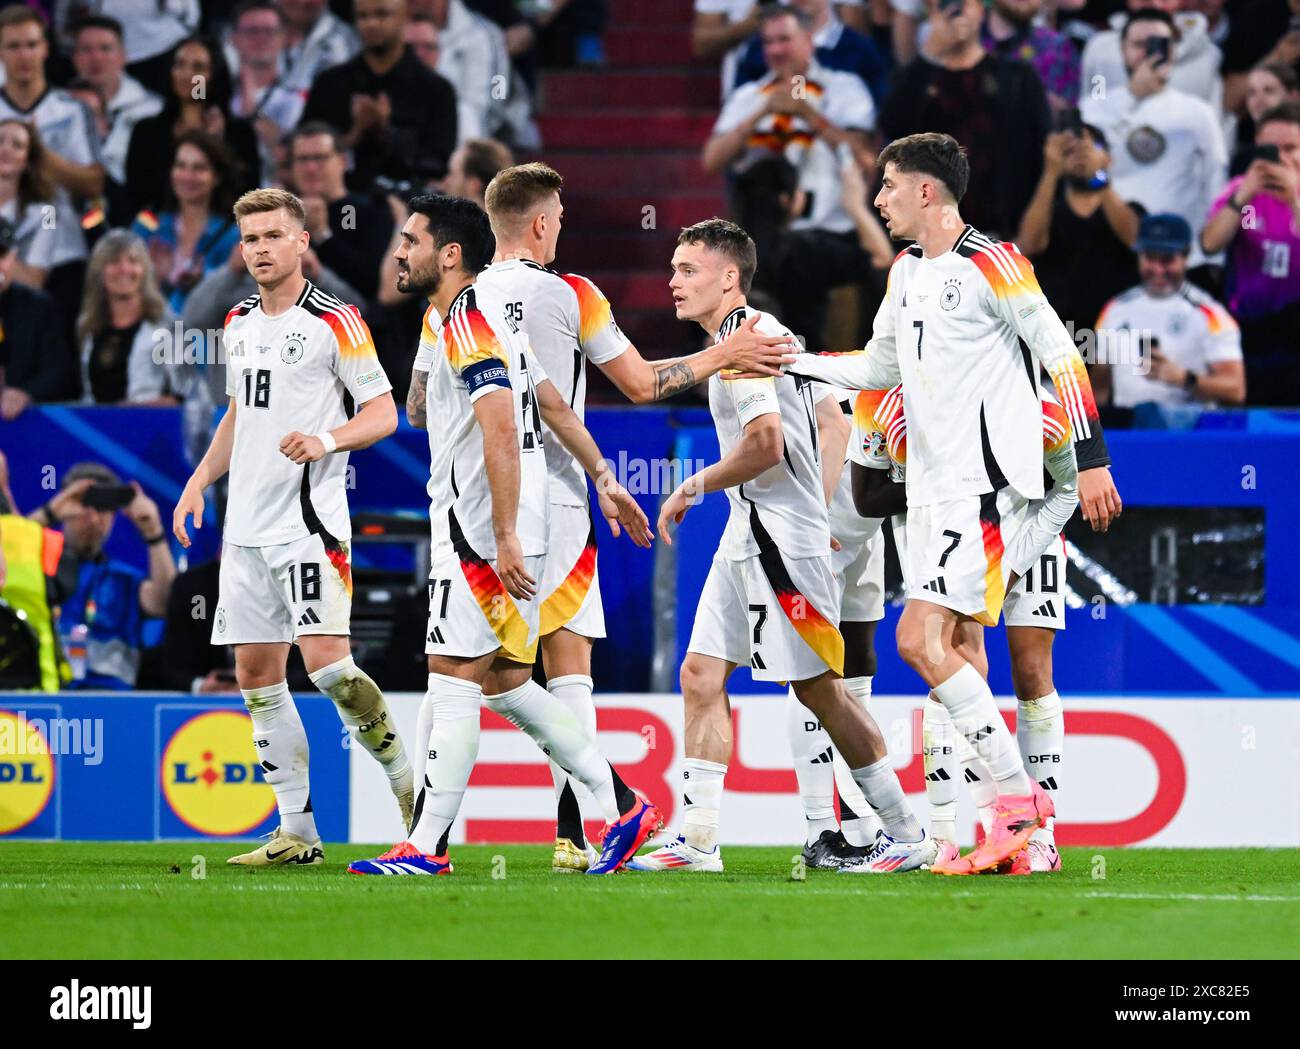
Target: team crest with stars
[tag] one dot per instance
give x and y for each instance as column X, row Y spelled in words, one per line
column 950, row 297
column 292, row 350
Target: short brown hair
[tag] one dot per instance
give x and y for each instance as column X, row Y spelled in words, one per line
column 20, row 14
column 257, row 201
column 730, row 240
column 930, row 153
column 485, row 158
column 1282, row 113
column 513, row 192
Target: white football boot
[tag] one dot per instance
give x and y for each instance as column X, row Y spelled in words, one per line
column 889, row 856
column 676, row 855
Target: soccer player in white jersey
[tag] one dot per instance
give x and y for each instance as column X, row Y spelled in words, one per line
column 487, row 396
column 950, row 328
column 568, row 323
column 770, row 600
column 1034, row 611
column 298, row 362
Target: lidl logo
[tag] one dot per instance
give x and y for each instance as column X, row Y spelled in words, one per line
column 209, row 776
column 26, row 772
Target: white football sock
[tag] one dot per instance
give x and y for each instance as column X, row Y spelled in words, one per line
column 810, row 747
column 702, row 801
column 857, row 820
column 362, row 707
column 550, row 724
column 975, row 715
column 979, row 781
column 939, row 757
column 574, row 691
column 880, row 786
column 280, row 742
column 450, row 752
column 1040, row 731
column 859, row 688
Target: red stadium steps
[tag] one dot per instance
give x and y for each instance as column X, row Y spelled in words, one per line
column 652, row 12
column 629, row 214
column 649, row 253
column 695, row 90
column 631, row 171
column 626, row 137
column 655, row 45
column 630, row 129
column 635, row 291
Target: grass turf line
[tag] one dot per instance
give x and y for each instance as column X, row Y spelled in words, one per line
column 124, row 900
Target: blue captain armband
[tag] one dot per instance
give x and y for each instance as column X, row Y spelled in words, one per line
column 483, row 375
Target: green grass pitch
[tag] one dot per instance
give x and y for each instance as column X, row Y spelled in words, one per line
column 109, row 900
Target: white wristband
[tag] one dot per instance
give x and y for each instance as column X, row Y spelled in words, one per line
column 327, row 439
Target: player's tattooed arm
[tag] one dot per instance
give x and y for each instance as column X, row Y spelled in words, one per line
column 416, row 404
column 672, row 378
column 745, row 350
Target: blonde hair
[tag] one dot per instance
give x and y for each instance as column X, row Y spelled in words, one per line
column 516, row 192
column 257, row 201
column 94, row 317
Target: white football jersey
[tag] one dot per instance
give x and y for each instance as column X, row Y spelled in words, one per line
column 950, row 329
column 567, row 322
column 306, row 369
column 473, row 351
column 785, row 504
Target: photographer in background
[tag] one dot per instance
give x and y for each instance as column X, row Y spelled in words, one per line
column 1169, row 152
column 1257, row 218
column 1077, row 230
column 102, row 622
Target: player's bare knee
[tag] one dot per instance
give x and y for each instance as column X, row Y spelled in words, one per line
column 819, row 694
column 912, row 647
column 1030, row 677
column 699, row 682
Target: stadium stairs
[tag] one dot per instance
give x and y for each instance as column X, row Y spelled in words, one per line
column 625, row 138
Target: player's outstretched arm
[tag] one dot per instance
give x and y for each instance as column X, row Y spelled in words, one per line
column 760, row 448
column 374, row 421
column 495, row 415
column 866, row 369
column 746, row 350
column 1024, row 307
column 616, row 505
column 213, row 466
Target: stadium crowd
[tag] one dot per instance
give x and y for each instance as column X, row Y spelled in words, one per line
column 1145, row 155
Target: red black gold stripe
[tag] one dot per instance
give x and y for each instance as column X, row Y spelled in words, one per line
column 498, row 607
column 818, row 632
column 995, row 589
column 562, row 604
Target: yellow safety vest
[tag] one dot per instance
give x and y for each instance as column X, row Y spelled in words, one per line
column 32, row 554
